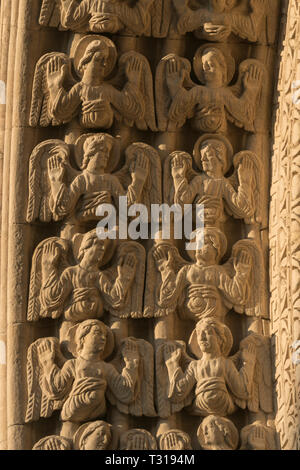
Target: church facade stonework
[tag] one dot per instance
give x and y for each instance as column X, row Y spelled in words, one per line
column 124, row 123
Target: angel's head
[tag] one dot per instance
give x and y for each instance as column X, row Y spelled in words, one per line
column 213, row 337
column 90, row 338
column 92, row 250
column 137, row 439
column 94, row 436
column 211, row 247
column 213, row 157
column 95, row 58
column 175, row 439
column 97, row 150
column 216, row 433
column 214, row 67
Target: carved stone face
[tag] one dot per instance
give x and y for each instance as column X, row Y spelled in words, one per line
column 213, row 155
column 97, row 153
column 95, row 252
column 94, row 341
column 98, row 439
column 212, row 69
column 207, row 254
column 212, row 433
column 208, row 340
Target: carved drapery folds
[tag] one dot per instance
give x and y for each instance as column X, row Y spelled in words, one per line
column 135, row 105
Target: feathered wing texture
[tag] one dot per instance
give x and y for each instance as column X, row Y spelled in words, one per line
column 145, row 88
column 238, row 89
column 162, row 93
column 50, row 13
column 163, row 405
column 261, row 387
column 39, row 198
column 154, row 283
column 255, row 302
column 143, row 403
column 169, row 189
column 35, row 309
column 39, row 405
column 133, row 306
column 40, row 102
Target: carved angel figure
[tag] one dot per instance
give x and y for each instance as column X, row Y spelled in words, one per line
column 258, row 436
column 213, row 103
column 216, row 433
column 213, row 155
column 217, row 19
column 58, row 191
column 57, row 97
column 214, row 383
column 175, row 439
column 80, row 289
column 204, row 288
column 137, row 439
column 98, row 16
column 53, row 443
column 81, row 386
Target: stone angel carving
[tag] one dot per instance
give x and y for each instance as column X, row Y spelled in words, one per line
column 204, row 288
column 137, row 439
column 57, row 97
column 67, row 279
column 217, row 433
column 175, row 439
column 213, row 103
column 237, row 195
column 213, row 384
column 58, row 191
column 53, row 442
column 80, row 386
column 97, row 16
column 217, row 19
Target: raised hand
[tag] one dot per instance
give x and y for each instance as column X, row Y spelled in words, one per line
column 136, row 442
column 172, row 353
column 175, row 75
column 243, row 262
column 172, row 442
column 130, row 353
column 51, row 254
column 127, row 267
column 140, row 170
column 163, row 259
column 56, row 73
column 178, row 166
column 46, row 352
column 56, row 169
column 134, row 70
column 257, row 438
column 253, row 78
column 248, row 354
column 246, row 171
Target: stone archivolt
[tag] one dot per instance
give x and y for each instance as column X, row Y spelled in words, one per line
column 155, row 299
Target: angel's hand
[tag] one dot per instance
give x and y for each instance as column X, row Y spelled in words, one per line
column 51, row 254
column 141, row 168
column 253, row 78
column 163, row 259
column 46, row 353
column 206, row 291
column 56, row 73
column 218, row 31
column 249, row 354
column 127, row 267
column 172, row 353
column 178, row 167
column 134, row 70
column 242, row 263
column 94, row 106
column 245, row 171
column 56, row 169
column 174, row 76
column 257, row 438
column 130, row 352
column 136, row 442
column 173, row 443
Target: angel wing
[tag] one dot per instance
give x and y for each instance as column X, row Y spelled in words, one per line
column 152, row 192
column 169, row 189
column 152, row 304
column 36, row 309
column 254, row 302
column 254, row 199
column 165, row 407
column 162, row 93
column 40, row 199
column 39, row 404
column 40, row 113
column 50, row 13
column 143, row 405
column 250, row 109
column 132, row 305
column 261, row 394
